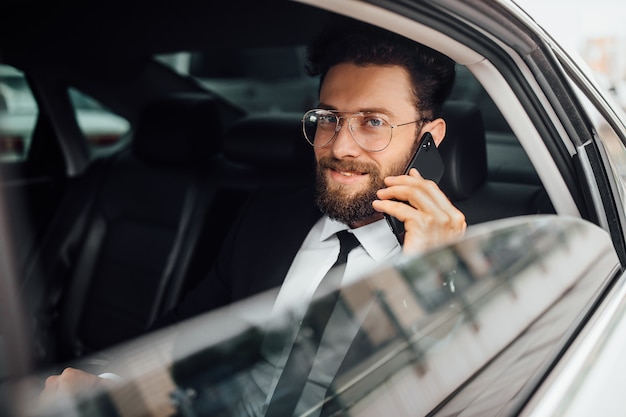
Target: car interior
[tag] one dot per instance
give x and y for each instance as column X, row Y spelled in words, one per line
column 110, row 239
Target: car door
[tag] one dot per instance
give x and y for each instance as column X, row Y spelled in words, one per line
column 439, row 333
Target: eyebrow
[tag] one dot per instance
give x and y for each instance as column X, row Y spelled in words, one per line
column 363, row 110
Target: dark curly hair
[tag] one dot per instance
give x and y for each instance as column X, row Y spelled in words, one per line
column 432, row 73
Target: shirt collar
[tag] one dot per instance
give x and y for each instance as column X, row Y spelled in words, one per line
column 376, row 238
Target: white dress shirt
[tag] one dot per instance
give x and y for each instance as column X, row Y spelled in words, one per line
column 319, row 252
column 314, row 259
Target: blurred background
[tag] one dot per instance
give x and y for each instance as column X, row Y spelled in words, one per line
column 595, row 29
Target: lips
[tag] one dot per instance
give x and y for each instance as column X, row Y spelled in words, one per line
column 349, row 174
column 348, row 177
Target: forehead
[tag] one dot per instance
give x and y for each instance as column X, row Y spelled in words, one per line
column 350, row 87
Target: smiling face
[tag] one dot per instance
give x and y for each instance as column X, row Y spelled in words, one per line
column 348, row 176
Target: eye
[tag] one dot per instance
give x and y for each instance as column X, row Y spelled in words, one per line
column 374, row 121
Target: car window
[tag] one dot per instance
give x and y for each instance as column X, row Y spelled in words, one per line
column 426, row 325
column 254, row 79
column 18, row 114
column 101, row 127
column 19, row 111
column 613, row 144
column 273, row 80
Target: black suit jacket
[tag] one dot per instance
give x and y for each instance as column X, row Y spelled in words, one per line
column 257, row 252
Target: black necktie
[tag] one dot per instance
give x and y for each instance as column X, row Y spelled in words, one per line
column 300, row 360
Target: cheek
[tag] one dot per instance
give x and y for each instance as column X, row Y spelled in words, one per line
column 386, row 166
column 396, row 166
column 396, row 163
column 320, row 153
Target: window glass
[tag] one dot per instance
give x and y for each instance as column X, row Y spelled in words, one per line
column 101, row 127
column 414, row 332
column 261, row 80
column 18, row 114
column 274, row 80
column 254, row 79
column 613, row 144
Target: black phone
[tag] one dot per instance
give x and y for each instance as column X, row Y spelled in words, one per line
column 428, row 163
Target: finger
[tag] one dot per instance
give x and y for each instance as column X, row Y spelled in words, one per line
column 51, row 384
column 414, row 180
column 425, row 227
column 424, row 195
column 428, row 215
column 449, row 221
column 75, row 379
column 413, row 172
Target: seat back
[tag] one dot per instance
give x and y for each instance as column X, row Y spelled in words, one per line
column 144, row 225
column 258, row 152
column 463, row 150
column 467, row 181
column 268, row 150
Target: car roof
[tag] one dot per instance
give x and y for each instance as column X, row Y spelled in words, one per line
column 46, row 32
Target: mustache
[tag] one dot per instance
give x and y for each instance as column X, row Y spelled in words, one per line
column 347, row 165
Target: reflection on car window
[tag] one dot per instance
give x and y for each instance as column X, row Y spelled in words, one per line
column 18, row 114
column 101, row 127
column 424, row 326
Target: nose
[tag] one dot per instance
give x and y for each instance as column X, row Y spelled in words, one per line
column 344, row 144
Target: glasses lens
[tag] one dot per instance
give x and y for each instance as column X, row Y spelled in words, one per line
column 371, row 130
column 319, row 127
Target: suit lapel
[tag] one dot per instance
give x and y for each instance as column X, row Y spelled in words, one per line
column 284, row 226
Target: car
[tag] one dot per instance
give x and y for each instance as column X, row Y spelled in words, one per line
column 520, row 316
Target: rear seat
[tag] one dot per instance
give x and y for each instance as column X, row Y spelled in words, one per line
column 268, row 150
column 259, row 152
column 126, row 232
column 467, row 181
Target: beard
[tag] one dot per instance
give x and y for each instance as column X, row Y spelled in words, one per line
column 341, row 202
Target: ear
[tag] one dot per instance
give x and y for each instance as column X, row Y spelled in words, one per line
column 437, row 128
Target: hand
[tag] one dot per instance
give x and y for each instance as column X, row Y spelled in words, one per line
column 429, row 217
column 70, row 382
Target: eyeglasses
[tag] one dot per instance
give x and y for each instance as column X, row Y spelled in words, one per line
column 371, row 131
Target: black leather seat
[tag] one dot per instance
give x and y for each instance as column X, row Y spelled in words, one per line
column 268, row 150
column 466, row 180
column 463, row 151
column 121, row 248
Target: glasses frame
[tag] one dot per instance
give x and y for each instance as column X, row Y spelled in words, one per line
column 349, row 117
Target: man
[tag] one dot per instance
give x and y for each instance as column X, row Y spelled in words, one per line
column 379, row 93
column 363, row 71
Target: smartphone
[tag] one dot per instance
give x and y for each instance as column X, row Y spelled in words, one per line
column 428, row 163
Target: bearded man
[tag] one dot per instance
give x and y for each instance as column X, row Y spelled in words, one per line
column 379, row 94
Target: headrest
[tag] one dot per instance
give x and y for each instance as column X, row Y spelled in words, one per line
column 180, row 129
column 463, row 150
column 273, row 142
